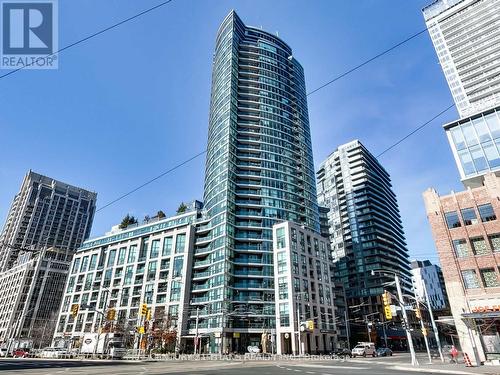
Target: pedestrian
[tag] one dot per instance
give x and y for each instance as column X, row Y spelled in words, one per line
column 454, row 354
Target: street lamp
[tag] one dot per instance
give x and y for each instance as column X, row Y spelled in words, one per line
column 434, row 328
column 299, row 335
column 414, row 360
column 422, row 326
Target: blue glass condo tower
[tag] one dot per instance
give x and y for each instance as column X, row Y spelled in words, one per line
column 259, row 171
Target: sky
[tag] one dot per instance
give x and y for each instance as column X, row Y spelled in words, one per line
column 132, row 103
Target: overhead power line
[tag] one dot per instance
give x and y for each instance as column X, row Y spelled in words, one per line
column 91, row 36
column 418, row 128
column 353, row 69
column 152, row 180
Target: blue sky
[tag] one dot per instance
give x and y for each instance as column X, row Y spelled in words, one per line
column 134, row 102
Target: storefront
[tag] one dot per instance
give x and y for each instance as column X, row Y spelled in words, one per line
column 485, row 319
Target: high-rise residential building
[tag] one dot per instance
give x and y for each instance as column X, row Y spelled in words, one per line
column 466, row 37
column 259, row 171
column 47, row 222
column 305, row 291
column 466, row 232
column 145, row 264
column 30, row 296
column 365, row 230
column 46, row 213
column 429, row 277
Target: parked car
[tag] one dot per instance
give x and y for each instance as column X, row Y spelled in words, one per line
column 21, row 353
column 363, row 349
column 384, row 352
column 342, row 352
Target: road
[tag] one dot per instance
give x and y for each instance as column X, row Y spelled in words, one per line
column 358, row 366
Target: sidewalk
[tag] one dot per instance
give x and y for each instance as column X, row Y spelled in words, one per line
column 448, row 368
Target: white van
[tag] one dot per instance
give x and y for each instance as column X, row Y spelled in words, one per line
column 363, row 349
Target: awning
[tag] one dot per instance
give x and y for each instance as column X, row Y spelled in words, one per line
column 482, row 315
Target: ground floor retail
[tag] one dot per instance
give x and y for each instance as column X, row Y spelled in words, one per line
column 486, row 326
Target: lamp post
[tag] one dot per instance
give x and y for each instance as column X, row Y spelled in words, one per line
column 299, row 335
column 433, row 322
column 414, row 360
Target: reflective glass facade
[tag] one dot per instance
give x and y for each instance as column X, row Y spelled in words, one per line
column 259, row 171
column 475, row 142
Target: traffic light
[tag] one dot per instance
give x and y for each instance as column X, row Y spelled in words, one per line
column 424, row 331
column 74, row 309
column 144, row 309
column 386, row 301
column 148, row 315
column 310, row 325
column 111, row 314
column 417, row 313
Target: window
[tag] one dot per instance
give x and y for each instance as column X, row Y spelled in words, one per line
column 452, row 219
column 280, row 238
column 144, row 249
column 281, row 262
column 111, row 258
column 489, row 277
column 461, row 248
column 121, row 255
column 178, row 262
column 470, row 279
column 479, row 246
column 155, row 249
column 152, row 270
column 71, row 284
column 167, row 246
column 180, row 243
column 173, row 311
column 486, row 212
column 93, row 262
column 175, row 291
column 284, row 315
column 132, row 254
column 495, row 242
column 469, row 216
column 283, row 287
column 85, row 262
column 128, row 275
column 76, row 265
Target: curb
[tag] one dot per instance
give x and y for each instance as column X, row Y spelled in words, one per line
column 439, row 371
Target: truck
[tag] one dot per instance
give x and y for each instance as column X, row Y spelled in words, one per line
column 110, row 344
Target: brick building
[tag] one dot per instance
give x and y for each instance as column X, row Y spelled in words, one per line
column 466, row 231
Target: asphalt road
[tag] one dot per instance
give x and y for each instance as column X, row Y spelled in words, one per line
column 371, row 366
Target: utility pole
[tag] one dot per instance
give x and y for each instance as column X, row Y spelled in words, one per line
column 196, row 338
column 414, row 360
column 434, row 328
column 424, row 333
column 298, row 329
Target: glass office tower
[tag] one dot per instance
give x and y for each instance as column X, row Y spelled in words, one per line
column 259, row 171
